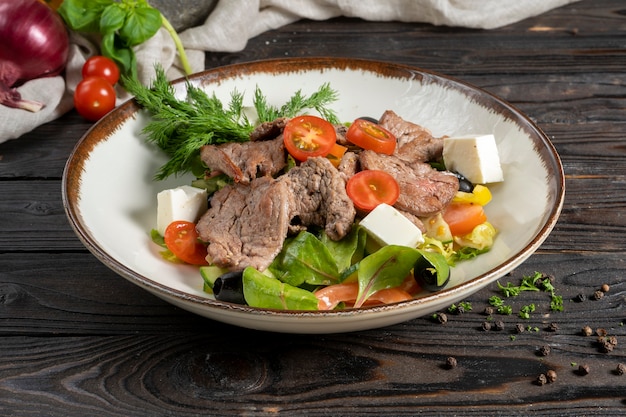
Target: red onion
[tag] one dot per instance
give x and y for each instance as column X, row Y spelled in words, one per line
column 34, row 44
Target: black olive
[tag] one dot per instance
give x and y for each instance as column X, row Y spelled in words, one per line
column 369, row 119
column 229, row 287
column 465, row 185
column 426, row 275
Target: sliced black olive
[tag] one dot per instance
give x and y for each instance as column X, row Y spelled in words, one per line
column 369, row 119
column 465, row 185
column 427, row 276
column 229, row 287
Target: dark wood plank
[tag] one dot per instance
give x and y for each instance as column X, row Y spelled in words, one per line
column 41, row 154
column 33, row 218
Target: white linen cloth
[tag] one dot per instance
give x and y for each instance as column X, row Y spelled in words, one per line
column 233, row 22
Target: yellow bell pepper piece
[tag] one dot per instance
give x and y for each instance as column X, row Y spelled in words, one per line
column 480, row 195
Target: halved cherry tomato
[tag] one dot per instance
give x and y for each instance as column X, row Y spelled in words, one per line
column 94, row 97
column 367, row 189
column 181, row 238
column 308, row 136
column 463, row 218
column 101, row 66
column 329, row 297
column 371, row 136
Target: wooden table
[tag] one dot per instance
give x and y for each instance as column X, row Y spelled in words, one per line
column 78, row 340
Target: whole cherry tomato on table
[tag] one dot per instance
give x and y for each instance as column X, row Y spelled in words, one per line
column 101, row 66
column 309, row 136
column 94, row 97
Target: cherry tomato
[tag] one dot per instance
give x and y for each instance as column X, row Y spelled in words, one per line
column 308, row 136
column 181, row 238
column 367, row 189
column 101, row 66
column 94, row 97
column 371, row 136
column 463, row 218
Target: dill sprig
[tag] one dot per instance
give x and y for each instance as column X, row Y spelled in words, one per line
column 297, row 104
column 181, row 127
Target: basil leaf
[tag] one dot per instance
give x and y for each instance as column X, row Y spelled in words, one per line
column 305, row 259
column 385, row 268
column 112, row 18
column 123, row 56
column 141, row 24
column 265, row 292
column 83, row 15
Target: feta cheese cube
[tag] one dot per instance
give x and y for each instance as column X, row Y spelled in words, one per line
column 388, row 226
column 474, row 157
column 181, row 203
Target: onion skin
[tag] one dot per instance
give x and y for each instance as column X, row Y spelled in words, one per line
column 35, row 44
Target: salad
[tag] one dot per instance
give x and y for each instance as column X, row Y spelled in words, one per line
column 390, row 251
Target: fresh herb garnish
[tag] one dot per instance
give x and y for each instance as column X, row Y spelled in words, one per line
column 122, row 25
column 535, row 282
column 181, row 126
column 296, row 104
column 498, row 303
column 464, row 306
column 525, row 311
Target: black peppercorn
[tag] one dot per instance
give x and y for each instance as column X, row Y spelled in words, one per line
column 451, row 362
column 441, row 318
column 580, row 298
column 621, row 369
column 519, row 328
column 498, row 325
column 486, row 326
column 544, row 350
column 541, row 379
column 583, row 370
column 552, row 327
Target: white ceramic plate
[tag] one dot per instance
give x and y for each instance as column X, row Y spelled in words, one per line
column 110, row 198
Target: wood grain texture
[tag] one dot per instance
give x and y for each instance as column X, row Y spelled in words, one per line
column 77, row 340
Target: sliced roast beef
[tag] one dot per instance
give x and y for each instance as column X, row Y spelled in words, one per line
column 268, row 130
column 245, row 161
column 423, row 190
column 247, row 224
column 340, row 131
column 349, row 165
column 320, row 197
column 414, row 142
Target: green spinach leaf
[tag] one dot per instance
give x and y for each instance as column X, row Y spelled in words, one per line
column 262, row 291
column 305, row 259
